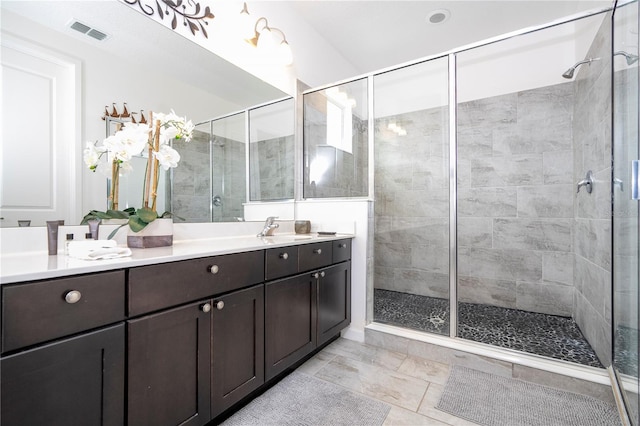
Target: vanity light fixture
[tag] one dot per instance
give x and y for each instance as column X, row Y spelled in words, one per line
column 265, row 38
column 194, row 18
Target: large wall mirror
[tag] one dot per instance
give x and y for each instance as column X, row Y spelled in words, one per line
column 140, row 62
column 272, row 151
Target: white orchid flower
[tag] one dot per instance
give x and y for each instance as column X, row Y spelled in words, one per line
column 167, row 157
column 91, row 155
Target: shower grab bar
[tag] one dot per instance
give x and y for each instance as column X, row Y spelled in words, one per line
column 587, row 182
column 634, row 180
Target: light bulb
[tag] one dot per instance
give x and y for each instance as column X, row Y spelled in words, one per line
column 266, row 41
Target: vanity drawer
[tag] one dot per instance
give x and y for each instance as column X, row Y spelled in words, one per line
column 313, row 256
column 45, row 310
column 341, row 250
column 170, row 284
column 281, row 262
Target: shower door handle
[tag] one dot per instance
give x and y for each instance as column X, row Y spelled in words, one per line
column 634, row 179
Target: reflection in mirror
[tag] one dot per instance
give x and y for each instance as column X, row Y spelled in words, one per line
column 218, row 146
column 130, row 185
column 141, row 62
column 335, row 141
column 272, row 151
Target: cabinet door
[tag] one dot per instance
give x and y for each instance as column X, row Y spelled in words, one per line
column 169, row 367
column 77, row 381
column 334, row 300
column 238, row 347
column 290, row 318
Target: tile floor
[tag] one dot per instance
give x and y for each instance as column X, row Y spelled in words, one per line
column 412, row 386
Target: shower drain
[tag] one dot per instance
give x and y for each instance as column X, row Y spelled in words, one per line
column 436, row 320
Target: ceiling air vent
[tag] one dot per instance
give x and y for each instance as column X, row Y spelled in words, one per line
column 87, row 30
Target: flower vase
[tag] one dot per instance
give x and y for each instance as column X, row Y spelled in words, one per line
column 158, row 233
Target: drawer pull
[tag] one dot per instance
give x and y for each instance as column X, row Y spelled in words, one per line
column 342, row 245
column 316, row 275
column 206, row 307
column 73, row 296
column 214, row 269
column 317, row 251
column 219, row 305
column 322, row 274
column 284, row 256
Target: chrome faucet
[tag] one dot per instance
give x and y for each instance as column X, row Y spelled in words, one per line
column 269, row 227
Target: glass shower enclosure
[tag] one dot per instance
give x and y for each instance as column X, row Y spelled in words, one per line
column 625, row 203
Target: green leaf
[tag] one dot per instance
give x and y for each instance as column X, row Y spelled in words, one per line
column 136, row 224
column 117, row 214
column 168, row 214
column 115, row 231
column 146, row 214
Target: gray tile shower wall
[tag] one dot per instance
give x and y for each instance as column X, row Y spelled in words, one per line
column 272, row 165
column 193, row 186
column 592, row 212
column 515, row 202
column 412, row 204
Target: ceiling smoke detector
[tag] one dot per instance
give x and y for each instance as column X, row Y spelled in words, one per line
column 87, row 30
column 438, row 16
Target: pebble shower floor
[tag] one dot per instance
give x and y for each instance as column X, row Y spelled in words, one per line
column 548, row 335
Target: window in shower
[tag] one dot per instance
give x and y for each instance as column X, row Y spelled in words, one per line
column 411, row 146
column 336, row 141
column 271, row 151
column 533, row 254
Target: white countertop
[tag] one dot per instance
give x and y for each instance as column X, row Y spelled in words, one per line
column 28, row 266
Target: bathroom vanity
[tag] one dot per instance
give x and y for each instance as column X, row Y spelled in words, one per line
column 168, row 339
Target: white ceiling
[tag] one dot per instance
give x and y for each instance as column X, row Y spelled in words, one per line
column 373, row 35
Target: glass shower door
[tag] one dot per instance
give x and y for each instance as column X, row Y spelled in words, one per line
column 411, row 149
column 625, row 204
column 228, row 167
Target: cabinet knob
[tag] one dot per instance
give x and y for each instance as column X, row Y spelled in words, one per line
column 73, row 296
column 322, row 274
column 214, row 269
column 318, row 251
column 342, row 245
column 206, row 307
column 284, row 256
column 219, row 305
column 316, row 275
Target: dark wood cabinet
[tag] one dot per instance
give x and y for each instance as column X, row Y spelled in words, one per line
column 45, row 310
column 175, row 343
column 77, row 381
column 169, row 367
column 237, row 347
column 156, row 287
column 290, row 318
column 334, row 300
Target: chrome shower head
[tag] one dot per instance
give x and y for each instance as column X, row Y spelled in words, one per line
column 569, row 73
column 631, row 58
